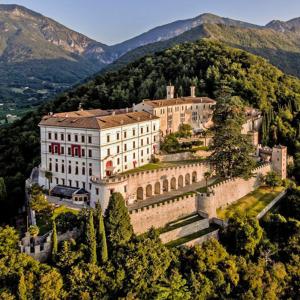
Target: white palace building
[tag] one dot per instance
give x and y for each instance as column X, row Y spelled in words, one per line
column 77, row 146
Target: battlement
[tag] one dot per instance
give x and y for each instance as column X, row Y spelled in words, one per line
column 124, row 177
column 191, row 196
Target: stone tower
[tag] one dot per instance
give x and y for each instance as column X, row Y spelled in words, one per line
column 279, row 160
column 170, row 91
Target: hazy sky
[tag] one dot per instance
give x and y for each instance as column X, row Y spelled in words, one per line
column 113, row 21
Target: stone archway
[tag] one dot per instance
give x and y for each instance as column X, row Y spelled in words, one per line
column 149, row 190
column 180, row 181
column 187, row 179
column 157, row 189
column 140, row 194
column 173, row 183
column 194, row 177
column 165, row 186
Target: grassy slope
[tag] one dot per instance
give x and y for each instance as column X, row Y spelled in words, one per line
column 252, row 204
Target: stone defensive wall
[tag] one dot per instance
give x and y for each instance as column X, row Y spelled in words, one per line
column 139, row 186
column 229, row 191
column 40, row 249
column 160, row 214
column 184, row 231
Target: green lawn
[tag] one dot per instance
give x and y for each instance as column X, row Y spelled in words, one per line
column 160, row 165
column 44, row 221
column 252, row 204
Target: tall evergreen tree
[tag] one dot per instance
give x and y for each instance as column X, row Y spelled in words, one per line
column 54, row 241
column 231, row 150
column 102, row 245
column 22, row 290
column 91, row 238
column 117, row 221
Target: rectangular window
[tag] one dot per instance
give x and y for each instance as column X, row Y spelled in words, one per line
column 50, row 149
column 83, row 170
column 142, row 152
column 133, row 155
column 97, row 191
column 77, row 184
column 69, row 137
column 107, row 138
column 125, row 158
column 142, row 130
column 63, row 182
column 125, row 147
column 142, row 142
column 62, row 150
column 82, row 139
column 133, row 132
column 118, row 161
column 69, row 151
column 90, row 172
column 83, row 152
column 76, row 138
column 90, row 153
column 118, row 149
column 108, row 152
column 55, row 136
column 118, row 136
column 147, row 128
column 70, row 182
column 90, row 139
column 133, row 144
column 125, row 134
column 49, row 136
column 63, row 168
column 62, row 136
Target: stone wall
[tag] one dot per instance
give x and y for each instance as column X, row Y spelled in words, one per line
column 202, row 239
column 271, row 204
column 41, row 249
column 139, row 186
column 184, row 231
column 160, row 214
column 176, row 156
column 229, row 191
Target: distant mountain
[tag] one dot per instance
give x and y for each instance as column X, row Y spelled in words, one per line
column 39, row 56
column 168, row 31
column 291, row 25
column 280, row 46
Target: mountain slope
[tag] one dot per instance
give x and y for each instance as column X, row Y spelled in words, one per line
column 171, row 30
column 281, row 48
column 37, row 53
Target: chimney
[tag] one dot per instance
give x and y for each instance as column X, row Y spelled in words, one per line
column 80, row 107
column 170, row 92
column 113, row 113
column 127, row 109
column 193, row 91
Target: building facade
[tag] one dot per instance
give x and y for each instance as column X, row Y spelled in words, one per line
column 76, row 146
column 192, row 110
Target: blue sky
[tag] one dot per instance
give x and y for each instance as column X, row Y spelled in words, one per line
column 113, row 21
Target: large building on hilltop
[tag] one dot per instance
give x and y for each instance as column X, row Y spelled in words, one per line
column 192, row 110
column 76, row 146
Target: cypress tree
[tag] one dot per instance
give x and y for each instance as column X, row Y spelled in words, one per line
column 103, row 254
column 54, row 241
column 22, row 290
column 91, row 239
column 117, row 221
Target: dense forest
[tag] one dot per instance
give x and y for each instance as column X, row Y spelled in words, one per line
column 207, row 65
column 107, row 261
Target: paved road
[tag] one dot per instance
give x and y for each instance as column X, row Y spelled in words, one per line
column 171, row 194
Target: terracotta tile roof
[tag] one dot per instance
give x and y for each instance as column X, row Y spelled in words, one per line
column 82, row 113
column 95, row 122
column 179, row 101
